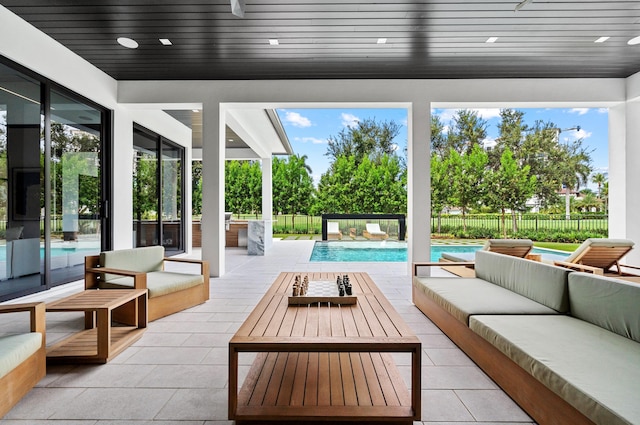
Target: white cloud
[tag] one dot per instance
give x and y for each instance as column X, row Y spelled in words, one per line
column 349, row 120
column 489, row 113
column 447, row 115
column 582, row 134
column 571, row 135
column 296, row 120
column 313, row 140
column 579, row 111
column 603, row 110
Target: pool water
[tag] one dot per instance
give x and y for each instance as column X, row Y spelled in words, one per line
column 57, row 252
column 397, row 251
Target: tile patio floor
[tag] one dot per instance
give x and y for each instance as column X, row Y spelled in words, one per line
column 177, row 372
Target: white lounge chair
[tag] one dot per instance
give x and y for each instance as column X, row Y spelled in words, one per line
column 333, row 230
column 373, row 231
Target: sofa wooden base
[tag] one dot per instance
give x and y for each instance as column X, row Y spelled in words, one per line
column 17, row 383
column 542, row 404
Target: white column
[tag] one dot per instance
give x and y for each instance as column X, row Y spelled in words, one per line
column 631, row 178
column 617, row 172
column 213, row 231
column 419, row 183
column 122, row 208
column 267, row 201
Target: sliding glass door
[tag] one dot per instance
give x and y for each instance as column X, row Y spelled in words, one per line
column 21, row 183
column 158, row 177
column 76, row 190
column 52, row 183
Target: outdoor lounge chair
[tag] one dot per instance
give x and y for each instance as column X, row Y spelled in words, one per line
column 514, row 247
column 599, row 256
column 333, row 230
column 373, row 231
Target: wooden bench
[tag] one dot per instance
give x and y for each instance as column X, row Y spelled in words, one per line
column 144, row 268
column 21, row 377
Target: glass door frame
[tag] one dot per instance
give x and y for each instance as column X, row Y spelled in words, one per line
column 160, row 142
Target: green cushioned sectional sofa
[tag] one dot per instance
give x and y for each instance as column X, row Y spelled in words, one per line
column 564, row 345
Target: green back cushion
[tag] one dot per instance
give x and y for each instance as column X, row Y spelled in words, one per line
column 146, row 259
column 609, row 303
column 543, row 283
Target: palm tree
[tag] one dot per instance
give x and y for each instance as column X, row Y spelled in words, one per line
column 599, row 179
column 574, row 169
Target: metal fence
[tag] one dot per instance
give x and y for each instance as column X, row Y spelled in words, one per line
column 524, row 222
column 305, row 224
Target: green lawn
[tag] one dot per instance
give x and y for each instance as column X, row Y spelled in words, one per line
column 560, row 246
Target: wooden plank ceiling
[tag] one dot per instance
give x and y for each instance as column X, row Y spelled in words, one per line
column 339, row 38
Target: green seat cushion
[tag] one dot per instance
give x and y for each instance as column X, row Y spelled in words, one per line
column 15, row 349
column 464, row 297
column 606, row 302
column 594, row 370
column 543, row 283
column 160, row 283
column 146, row 259
column 506, row 243
column 459, row 257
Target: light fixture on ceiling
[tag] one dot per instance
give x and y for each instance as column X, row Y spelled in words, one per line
column 602, row 39
column 522, row 4
column 634, row 41
column 165, row 41
column 127, row 42
column 382, row 41
column 237, row 8
column 491, row 40
column 274, row 41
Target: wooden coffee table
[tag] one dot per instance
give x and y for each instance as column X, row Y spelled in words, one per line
column 100, row 341
column 324, row 362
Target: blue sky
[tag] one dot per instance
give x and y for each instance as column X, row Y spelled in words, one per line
column 309, row 129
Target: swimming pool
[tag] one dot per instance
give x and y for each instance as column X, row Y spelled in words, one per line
column 397, row 251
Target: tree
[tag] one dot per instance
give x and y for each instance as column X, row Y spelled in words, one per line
column 196, row 187
column 509, row 187
column 438, row 138
column 468, row 171
column 441, row 184
column 574, row 169
column 336, row 189
column 369, row 138
column 468, row 130
column 293, row 191
column 243, row 187
column 599, row 179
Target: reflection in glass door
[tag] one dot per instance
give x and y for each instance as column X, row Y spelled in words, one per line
column 76, row 191
column 157, row 191
column 21, row 183
column 172, row 197
column 145, row 189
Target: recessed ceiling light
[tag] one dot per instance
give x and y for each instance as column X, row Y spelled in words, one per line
column 165, row 41
column 382, row 41
column 634, row 41
column 274, row 41
column 127, row 42
column 602, row 39
column 491, row 40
